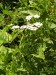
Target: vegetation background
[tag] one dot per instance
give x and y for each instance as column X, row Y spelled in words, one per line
column 26, row 52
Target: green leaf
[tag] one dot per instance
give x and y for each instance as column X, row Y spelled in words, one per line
column 52, row 25
column 41, row 49
column 4, row 37
column 21, row 69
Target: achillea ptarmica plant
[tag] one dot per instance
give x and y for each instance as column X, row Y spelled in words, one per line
column 33, row 26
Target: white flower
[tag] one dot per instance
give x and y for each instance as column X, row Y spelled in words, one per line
column 28, row 26
column 28, row 17
column 36, row 16
column 23, row 27
column 31, row 28
column 38, row 24
column 15, row 27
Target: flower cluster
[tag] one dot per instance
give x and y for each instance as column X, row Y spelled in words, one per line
column 15, row 27
column 38, row 24
column 30, row 16
column 30, row 27
column 33, row 26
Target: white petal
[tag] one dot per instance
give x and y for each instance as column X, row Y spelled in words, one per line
column 31, row 28
column 28, row 17
column 23, row 27
column 38, row 24
column 15, row 27
column 36, row 16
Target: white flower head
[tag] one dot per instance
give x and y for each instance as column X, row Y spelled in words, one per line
column 28, row 17
column 32, row 28
column 15, row 27
column 23, row 27
column 36, row 16
column 38, row 24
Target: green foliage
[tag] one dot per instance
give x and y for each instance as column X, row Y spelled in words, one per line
column 22, row 51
